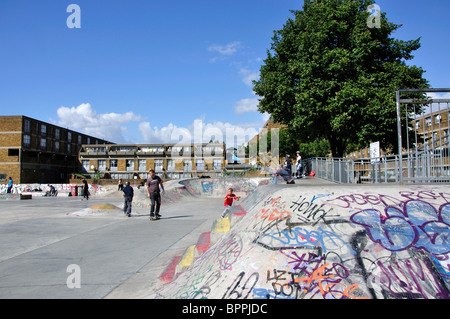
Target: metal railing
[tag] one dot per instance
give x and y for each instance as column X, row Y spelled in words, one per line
column 424, row 167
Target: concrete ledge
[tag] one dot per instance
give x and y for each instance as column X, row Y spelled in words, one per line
column 25, row 196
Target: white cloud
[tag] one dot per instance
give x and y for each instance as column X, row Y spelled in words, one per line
column 228, row 49
column 110, row 126
column 200, row 132
column 248, row 76
column 117, row 128
column 246, row 105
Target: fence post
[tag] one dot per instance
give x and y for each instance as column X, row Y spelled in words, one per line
column 399, row 130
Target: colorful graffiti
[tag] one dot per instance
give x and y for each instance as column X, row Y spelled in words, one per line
column 323, row 243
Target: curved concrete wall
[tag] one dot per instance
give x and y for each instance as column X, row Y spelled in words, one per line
column 328, row 242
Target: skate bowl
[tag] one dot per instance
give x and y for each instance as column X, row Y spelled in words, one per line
column 176, row 190
column 323, row 242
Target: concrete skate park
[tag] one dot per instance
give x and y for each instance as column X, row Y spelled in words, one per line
column 311, row 240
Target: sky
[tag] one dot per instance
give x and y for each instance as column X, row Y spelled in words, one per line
column 153, row 71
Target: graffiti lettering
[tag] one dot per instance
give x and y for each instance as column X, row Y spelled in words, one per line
column 418, row 224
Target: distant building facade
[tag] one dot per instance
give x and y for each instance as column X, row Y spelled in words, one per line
column 33, row 151
column 133, row 161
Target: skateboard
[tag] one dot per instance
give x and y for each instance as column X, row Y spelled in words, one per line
column 154, row 218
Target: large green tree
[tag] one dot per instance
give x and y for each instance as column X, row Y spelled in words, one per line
column 329, row 75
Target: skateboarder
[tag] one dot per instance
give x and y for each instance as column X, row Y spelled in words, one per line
column 286, row 174
column 128, row 194
column 152, row 185
column 229, row 201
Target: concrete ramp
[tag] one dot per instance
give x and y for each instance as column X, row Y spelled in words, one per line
column 325, row 242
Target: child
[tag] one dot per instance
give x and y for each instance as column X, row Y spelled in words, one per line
column 128, row 194
column 229, row 201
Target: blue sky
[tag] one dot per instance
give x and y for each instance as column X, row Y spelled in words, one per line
column 143, row 71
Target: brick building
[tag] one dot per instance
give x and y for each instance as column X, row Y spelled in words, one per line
column 133, row 161
column 32, row 151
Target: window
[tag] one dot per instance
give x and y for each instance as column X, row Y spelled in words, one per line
column 428, row 121
column 113, row 165
column 69, row 149
column 170, row 165
column 57, row 133
column 187, row 165
column 43, row 143
column 437, row 119
column 43, row 130
column 130, row 165
column 13, row 152
column 69, row 136
column 88, row 140
column 101, row 165
column 200, row 163
column 142, row 165
column 417, row 125
column 79, row 139
column 158, row 164
column 56, row 146
column 27, row 126
column 26, row 140
column 85, row 164
column 217, row 164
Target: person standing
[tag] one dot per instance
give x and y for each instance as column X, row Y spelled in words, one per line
column 10, row 186
column 299, row 165
column 120, row 185
column 85, row 190
column 153, row 185
column 128, row 194
column 288, row 163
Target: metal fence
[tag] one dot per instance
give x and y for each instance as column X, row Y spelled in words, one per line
column 426, row 167
column 423, row 147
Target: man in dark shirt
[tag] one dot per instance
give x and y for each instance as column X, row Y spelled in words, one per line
column 128, row 194
column 152, row 185
column 284, row 172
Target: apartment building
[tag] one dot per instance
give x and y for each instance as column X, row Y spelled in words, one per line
column 174, row 161
column 432, row 129
column 33, row 151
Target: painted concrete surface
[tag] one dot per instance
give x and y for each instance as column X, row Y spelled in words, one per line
column 326, row 242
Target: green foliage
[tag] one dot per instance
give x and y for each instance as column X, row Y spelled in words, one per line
column 329, row 76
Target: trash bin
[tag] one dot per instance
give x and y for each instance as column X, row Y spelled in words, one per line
column 74, row 190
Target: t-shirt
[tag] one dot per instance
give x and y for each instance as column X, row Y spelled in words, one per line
column 153, row 184
column 229, row 199
column 128, row 191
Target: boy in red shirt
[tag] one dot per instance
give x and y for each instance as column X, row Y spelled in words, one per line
column 229, row 201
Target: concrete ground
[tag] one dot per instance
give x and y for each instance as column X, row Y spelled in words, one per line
column 40, row 238
column 117, row 257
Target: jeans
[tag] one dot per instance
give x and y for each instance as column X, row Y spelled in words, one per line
column 155, row 197
column 127, row 205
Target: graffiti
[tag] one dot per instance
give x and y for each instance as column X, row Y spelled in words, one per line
column 229, row 252
column 298, row 244
column 238, row 290
column 208, row 187
column 307, row 211
column 418, row 225
column 38, row 188
column 358, row 200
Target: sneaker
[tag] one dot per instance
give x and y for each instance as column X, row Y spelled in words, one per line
column 158, row 216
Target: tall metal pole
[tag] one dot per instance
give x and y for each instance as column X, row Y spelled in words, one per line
column 399, row 130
